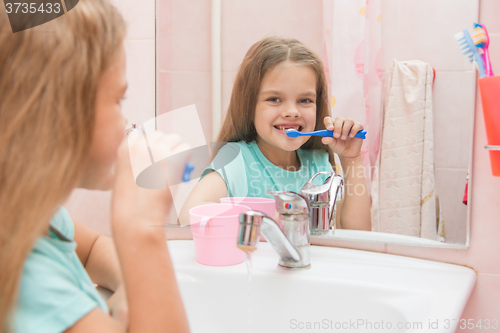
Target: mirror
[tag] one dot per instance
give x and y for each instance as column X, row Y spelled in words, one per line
column 200, row 45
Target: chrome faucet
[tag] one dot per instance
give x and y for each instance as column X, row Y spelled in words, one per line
column 291, row 241
column 322, row 199
column 300, row 216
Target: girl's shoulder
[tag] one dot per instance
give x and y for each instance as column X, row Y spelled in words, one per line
column 63, row 223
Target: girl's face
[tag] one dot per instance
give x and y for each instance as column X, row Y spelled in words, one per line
column 109, row 126
column 287, row 99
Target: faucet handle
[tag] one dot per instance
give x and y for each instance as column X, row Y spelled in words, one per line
column 290, row 203
column 322, row 199
column 318, row 193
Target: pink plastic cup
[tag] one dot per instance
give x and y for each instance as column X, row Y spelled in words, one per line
column 490, row 99
column 215, row 232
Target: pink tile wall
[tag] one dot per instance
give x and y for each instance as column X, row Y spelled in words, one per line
column 246, row 22
column 138, row 18
column 184, row 58
column 485, row 300
column 453, row 102
column 432, row 36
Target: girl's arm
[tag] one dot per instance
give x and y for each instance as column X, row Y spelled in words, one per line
column 98, row 255
column 154, row 301
column 353, row 212
column 208, row 190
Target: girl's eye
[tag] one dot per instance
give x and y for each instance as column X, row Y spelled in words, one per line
column 274, row 99
column 306, row 100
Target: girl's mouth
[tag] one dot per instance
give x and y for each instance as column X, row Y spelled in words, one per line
column 284, row 128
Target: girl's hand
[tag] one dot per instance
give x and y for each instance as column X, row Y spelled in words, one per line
column 343, row 144
column 134, row 207
column 137, row 219
column 118, row 307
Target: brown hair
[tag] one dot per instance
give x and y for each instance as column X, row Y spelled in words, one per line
column 49, row 77
column 261, row 58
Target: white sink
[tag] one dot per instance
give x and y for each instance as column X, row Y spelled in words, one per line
column 373, row 236
column 344, row 291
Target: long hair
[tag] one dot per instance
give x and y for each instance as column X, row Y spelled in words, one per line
column 49, row 77
column 261, row 58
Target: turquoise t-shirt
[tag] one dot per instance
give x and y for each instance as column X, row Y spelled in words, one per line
column 55, row 290
column 248, row 173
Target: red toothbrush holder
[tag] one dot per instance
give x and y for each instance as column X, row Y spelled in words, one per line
column 489, row 88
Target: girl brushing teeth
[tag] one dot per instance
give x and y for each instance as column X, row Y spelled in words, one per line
column 281, row 85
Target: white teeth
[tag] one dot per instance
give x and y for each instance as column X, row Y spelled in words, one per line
column 281, row 128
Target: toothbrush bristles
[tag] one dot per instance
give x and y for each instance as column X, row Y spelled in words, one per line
column 479, row 37
column 464, row 47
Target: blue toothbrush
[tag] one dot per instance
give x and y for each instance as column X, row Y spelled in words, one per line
column 469, row 50
column 324, row 133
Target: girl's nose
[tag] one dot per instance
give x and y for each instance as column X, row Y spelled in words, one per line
column 291, row 111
